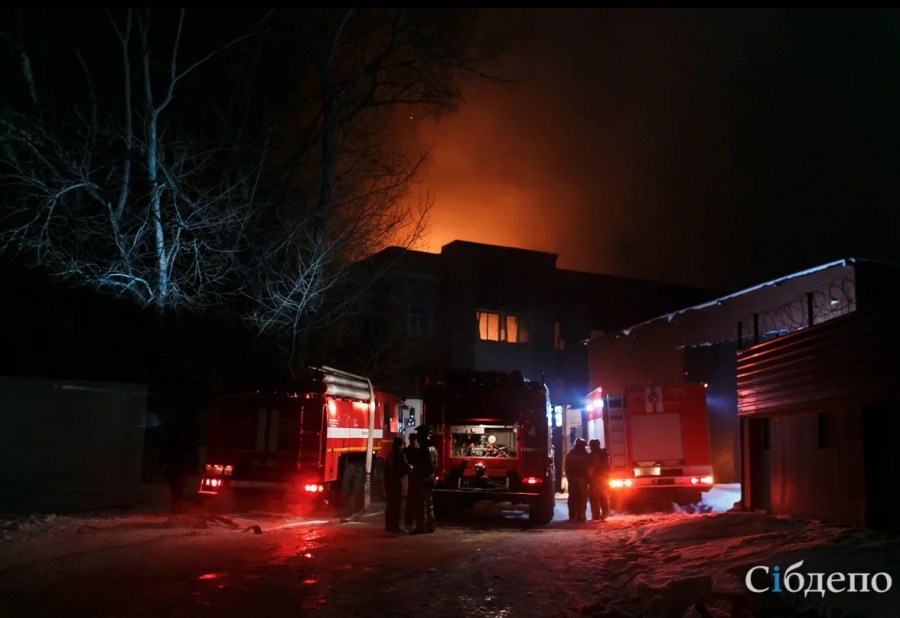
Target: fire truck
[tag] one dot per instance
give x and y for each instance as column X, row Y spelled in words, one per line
column 492, row 433
column 658, row 441
column 308, row 445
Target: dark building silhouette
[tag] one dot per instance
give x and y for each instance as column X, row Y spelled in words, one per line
column 487, row 307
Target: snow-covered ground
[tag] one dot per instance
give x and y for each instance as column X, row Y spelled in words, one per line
column 672, row 561
column 721, row 498
column 31, row 538
column 655, row 565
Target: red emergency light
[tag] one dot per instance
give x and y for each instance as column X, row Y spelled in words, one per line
column 218, row 469
column 531, row 480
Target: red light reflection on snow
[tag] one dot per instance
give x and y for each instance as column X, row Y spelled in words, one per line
column 208, row 576
column 298, row 546
column 310, row 582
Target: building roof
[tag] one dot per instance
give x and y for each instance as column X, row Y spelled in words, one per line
column 479, row 246
column 718, row 301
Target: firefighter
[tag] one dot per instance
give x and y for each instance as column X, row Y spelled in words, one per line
column 409, row 516
column 396, row 485
column 599, row 482
column 425, row 464
column 578, row 472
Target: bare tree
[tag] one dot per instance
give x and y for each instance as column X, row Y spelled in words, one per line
column 114, row 201
column 294, row 176
column 371, row 68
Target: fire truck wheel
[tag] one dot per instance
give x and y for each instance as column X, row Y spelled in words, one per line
column 540, row 512
column 353, row 490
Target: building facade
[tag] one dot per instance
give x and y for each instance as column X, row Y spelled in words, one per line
column 492, row 308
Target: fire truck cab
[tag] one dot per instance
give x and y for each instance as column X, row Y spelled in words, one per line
column 306, row 445
column 492, row 433
column 658, row 441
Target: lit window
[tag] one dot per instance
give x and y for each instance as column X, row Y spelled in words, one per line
column 494, row 326
column 512, row 328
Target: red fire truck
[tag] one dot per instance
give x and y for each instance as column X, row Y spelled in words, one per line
column 658, row 441
column 305, row 445
column 492, row 432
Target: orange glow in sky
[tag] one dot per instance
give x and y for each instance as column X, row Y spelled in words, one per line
column 485, row 185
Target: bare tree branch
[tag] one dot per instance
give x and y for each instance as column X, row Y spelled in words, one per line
column 262, row 195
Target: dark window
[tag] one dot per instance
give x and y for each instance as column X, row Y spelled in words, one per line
column 505, row 327
column 826, row 430
column 419, row 322
column 559, row 343
column 387, row 416
column 767, row 433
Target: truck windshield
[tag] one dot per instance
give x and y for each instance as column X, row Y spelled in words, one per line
column 483, row 441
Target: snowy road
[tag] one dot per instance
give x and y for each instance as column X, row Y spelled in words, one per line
column 488, row 565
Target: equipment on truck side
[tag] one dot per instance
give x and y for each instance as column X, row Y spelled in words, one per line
column 492, row 432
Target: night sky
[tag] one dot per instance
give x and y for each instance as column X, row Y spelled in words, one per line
column 713, row 147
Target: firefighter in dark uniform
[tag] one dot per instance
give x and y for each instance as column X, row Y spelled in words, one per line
column 578, row 473
column 424, row 464
column 599, row 482
column 396, row 485
column 409, row 515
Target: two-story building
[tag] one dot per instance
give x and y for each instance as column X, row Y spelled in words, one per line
column 487, row 307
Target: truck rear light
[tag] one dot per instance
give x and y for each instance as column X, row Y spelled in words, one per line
column 695, row 480
column 616, row 483
column 313, row 488
column 531, row 480
column 706, row 480
column 627, row 482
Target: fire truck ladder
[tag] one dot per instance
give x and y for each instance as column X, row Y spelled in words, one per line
column 618, row 449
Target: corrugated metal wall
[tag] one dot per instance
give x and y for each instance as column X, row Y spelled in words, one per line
column 853, row 358
column 804, row 399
